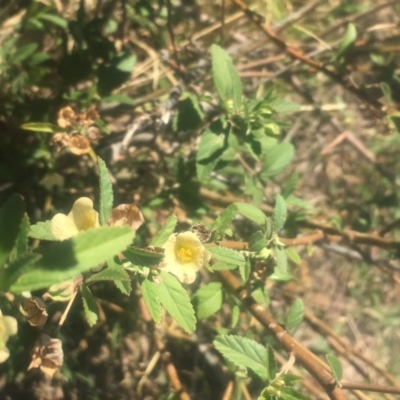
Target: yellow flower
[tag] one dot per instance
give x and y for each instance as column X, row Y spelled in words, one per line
column 184, row 255
column 81, row 218
column 8, row 327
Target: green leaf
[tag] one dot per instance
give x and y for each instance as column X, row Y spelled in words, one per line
column 293, row 255
column 113, row 272
column 208, row 300
column 272, row 367
column 257, row 241
column 281, row 269
column 45, row 127
column 89, row 305
column 244, row 352
column 347, row 42
column 294, row 316
column 244, row 270
column 119, row 98
column 11, row 215
column 143, row 257
column 67, row 259
column 24, row 52
column 226, row 79
column 225, row 218
column 261, row 295
column 165, row 232
column 283, row 106
column 226, row 255
column 176, row 301
column 221, row 266
column 15, row 269
column 235, row 314
column 280, row 213
column 55, row 19
column 293, row 394
column 124, row 287
column 42, row 231
column 277, row 159
column 150, row 296
column 252, row 213
column 21, row 243
column 106, row 192
column 336, row 367
column 127, row 63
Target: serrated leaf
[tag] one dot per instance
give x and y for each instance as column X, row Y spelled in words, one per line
column 336, row 367
column 44, row 127
column 257, row 241
column 150, row 296
column 11, row 215
column 235, row 314
column 225, row 218
column 143, row 257
column 226, row 79
column 272, row 367
column 261, row 295
column 113, row 272
column 293, row 255
column 42, row 231
column 294, row 316
column 15, row 269
column 221, row 266
column 226, row 255
column 106, row 192
column 280, row 212
column 124, row 287
column 165, row 232
column 244, row 270
column 176, row 301
column 281, row 269
column 277, row 159
column 67, row 259
column 244, row 352
column 208, row 300
column 251, row 212
column 89, row 305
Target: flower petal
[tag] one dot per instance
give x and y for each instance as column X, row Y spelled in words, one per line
column 83, row 215
column 63, row 227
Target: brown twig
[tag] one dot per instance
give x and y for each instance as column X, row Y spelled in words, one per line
column 299, row 55
column 316, row 367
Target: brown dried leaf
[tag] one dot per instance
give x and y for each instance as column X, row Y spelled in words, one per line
column 59, row 141
column 47, row 354
column 126, row 214
column 35, row 311
column 78, row 144
column 66, row 117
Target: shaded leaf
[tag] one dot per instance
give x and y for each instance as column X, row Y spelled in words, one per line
column 165, row 232
column 89, row 305
column 67, row 259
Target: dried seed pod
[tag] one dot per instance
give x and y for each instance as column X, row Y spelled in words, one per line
column 201, row 232
column 47, row 354
column 126, row 214
column 35, row 311
column 66, row 117
column 79, row 144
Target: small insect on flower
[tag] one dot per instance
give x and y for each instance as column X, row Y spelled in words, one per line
column 184, row 256
column 81, row 218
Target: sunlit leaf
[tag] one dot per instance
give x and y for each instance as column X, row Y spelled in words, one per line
column 226, row 255
column 106, row 192
column 42, row 231
column 150, row 296
column 294, row 316
column 165, row 232
column 280, row 213
column 244, row 352
column 208, row 300
column 336, row 367
column 89, row 305
column 176, row 301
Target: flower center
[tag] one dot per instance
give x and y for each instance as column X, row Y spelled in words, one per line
column 184, row 254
